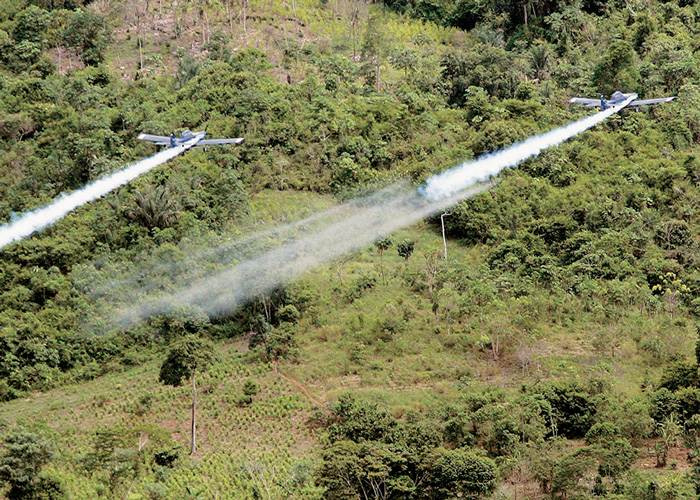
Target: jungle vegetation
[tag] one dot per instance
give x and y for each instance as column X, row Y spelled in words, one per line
column 553, row 354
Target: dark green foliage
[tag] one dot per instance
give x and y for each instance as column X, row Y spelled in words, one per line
column 490, row 68
column 274, row 342
column 472, row 220
column 154, row 208
column 663, row 404
column 45, row 488
column 617, row 458
column 288, row 314
column 688, row 403
column 462, row 473
column 672, row 234
column 166, row 458
column 557, row 471
column 613, row 72
column 24, row 455
column 369, row 448
column 603, row 433
column 360, row 286
column 88, row 33
column 58, row 4
column 30, row 25
column 405, row 249
column 187, row 356
column 572, row 407
column 350, row 468
column 250, row 388
column 584, row 257
column 244, row 400
column 359, row 420
column 680, row 375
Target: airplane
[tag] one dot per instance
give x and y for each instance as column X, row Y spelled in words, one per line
column 187, row 139
column 616, row 100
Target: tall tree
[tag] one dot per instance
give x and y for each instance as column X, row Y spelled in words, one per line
column 375, row 51
column 25, row 454
column 184, row 359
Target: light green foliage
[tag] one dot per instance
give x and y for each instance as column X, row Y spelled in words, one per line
column 120, row 456
column 572, row 283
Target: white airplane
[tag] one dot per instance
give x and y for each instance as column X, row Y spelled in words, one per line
column 616, row 100
column 187, row 138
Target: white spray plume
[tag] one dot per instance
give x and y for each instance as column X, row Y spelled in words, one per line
column 470, row 172
column 43, row 217
column 362, row 222
column 339, row 231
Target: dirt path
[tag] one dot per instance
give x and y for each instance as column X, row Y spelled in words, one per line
column 303, row 389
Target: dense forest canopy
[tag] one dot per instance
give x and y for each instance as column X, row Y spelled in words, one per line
column 551, row 354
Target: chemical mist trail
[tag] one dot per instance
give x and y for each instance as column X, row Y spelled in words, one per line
column 470, row 172
column 43, row 217
column 352, row 226
column 363, row 221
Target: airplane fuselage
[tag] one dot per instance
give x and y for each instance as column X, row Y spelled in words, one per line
column 617, row 98
column 187, row 137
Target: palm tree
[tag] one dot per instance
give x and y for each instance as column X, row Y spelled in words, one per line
column 154, row 207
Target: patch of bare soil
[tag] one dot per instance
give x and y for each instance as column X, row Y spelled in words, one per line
column 677, row 457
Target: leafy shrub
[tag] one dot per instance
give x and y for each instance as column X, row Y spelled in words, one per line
column 360, row 286
column 602, row 433
column 167, row 458
column 573, row 409
column 250, row 388
column 244, row 400
column 662, row 404
column 288, row 314
column 679, row 375
column 462, row 473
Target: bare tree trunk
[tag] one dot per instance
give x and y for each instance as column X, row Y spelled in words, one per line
column 354, row 47
column 194, row 416
column 245, row 14
column 140, row 53
column 206, row 21
column 138, row 31
column 268, row 311
column 378, row 81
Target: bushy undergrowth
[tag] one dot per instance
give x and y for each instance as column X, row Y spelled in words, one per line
column 547, row 354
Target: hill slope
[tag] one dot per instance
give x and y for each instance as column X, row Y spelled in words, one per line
column 550, row 354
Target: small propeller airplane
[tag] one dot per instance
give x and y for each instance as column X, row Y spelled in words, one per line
column 187, row 139
column 617, row 99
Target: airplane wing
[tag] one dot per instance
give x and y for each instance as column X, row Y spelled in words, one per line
column 220, row 141
column 652, row 101
column 158, row 139
column 591, row 103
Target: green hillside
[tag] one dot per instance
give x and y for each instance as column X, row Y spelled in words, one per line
column 552, row 354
